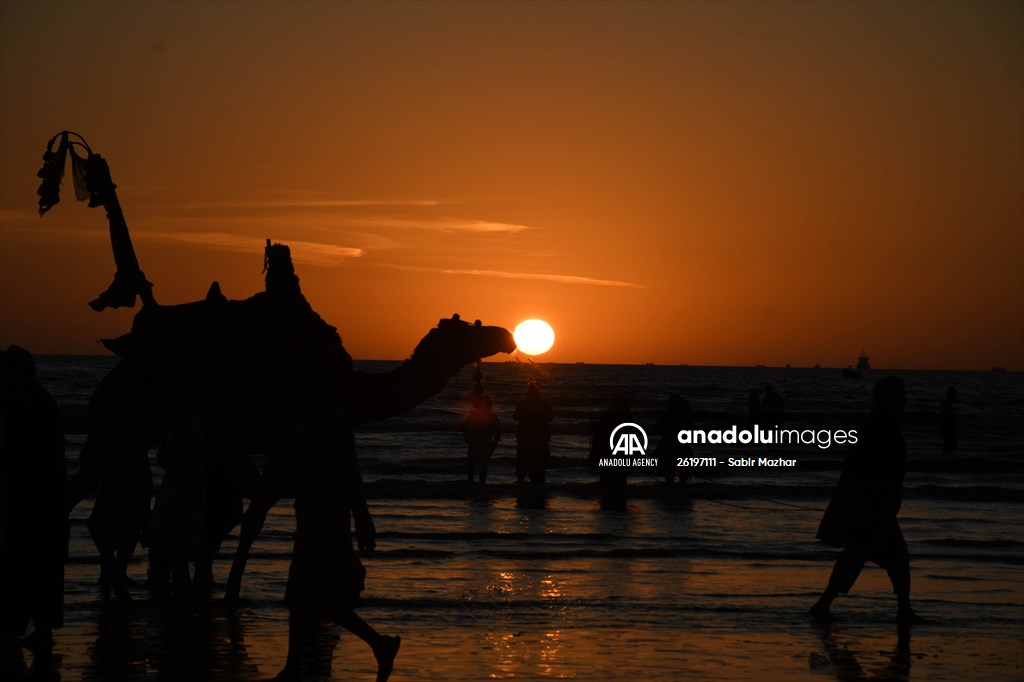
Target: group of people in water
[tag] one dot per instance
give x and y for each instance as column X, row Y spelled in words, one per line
column 482, row 432
column 533, row 416
column 861, row 517
column 326, row 576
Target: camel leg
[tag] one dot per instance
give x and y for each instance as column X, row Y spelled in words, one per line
column 276, row 481
column 252, row 525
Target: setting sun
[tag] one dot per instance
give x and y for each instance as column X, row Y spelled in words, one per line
column 534, row 337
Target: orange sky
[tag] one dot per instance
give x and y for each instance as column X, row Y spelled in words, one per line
column 728, row 183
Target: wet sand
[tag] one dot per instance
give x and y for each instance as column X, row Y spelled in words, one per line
column 566, row 639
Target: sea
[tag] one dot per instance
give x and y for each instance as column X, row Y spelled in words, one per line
column 710, row 581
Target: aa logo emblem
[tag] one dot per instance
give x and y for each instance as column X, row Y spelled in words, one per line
column 628, row 439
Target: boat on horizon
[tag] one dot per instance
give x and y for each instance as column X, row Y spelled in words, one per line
column 863, row 365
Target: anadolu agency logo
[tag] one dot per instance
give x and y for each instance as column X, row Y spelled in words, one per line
column 627, row 445
column 625, row 440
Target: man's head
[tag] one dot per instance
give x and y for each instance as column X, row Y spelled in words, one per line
column 17, row 365
column 890, row 396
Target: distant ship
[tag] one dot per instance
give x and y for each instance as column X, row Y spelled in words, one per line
column 862, row 366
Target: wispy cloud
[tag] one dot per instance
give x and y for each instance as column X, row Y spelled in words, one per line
column 312, row 253
column 330, row 215
column 299, row 204
column 451, row 225
column 547, row 277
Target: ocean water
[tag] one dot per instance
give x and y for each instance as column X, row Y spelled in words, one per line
column 539, row 583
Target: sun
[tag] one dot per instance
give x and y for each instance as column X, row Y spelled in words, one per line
column 534, row 337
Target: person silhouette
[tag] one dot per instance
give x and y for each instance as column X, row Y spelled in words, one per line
column 861, row 516
column 611, row 480
column 482, row 432
column 674, row 419
column 754, row 406
column 326, row 576
column 174, row 534
column 115, row 462
column 947, row 421
column 533, row 434
column 33, row 525
column 772, row 412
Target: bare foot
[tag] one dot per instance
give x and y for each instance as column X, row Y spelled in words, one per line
column 232, row 595
column 288, row 674
column 385, row 653
column 820, row 613
column 909, row 617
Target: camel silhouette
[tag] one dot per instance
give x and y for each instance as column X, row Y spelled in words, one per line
column 251, row 370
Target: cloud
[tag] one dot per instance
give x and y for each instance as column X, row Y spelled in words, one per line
column 560, row 279
column 450, row 225
column 312, row 253
column 301, row 204
column 331, row 214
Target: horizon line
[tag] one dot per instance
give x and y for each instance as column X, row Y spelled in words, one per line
column 530, row 360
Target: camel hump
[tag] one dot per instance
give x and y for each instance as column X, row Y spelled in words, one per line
column 214, row 294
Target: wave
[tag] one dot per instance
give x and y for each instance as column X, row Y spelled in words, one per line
column 959, row 542
column 977, row 493
column 395, row 488
column 552, row 555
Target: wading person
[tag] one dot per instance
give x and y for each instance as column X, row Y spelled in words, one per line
column 674, row 419
column 33, row 527
column 482, row 431
column 861, row 518
column 533, row 434
column 947, row 421
column 612, row 480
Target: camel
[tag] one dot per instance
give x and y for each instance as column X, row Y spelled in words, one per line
column 251, row 370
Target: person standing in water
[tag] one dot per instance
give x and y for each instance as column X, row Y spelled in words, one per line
column 674, row 419
column 33, row 525
column 947, row 421
column 773, row 410
column 482, row 432
column 612, row 480
column 533, row 434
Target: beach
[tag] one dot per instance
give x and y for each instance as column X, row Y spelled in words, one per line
column 537, row 582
